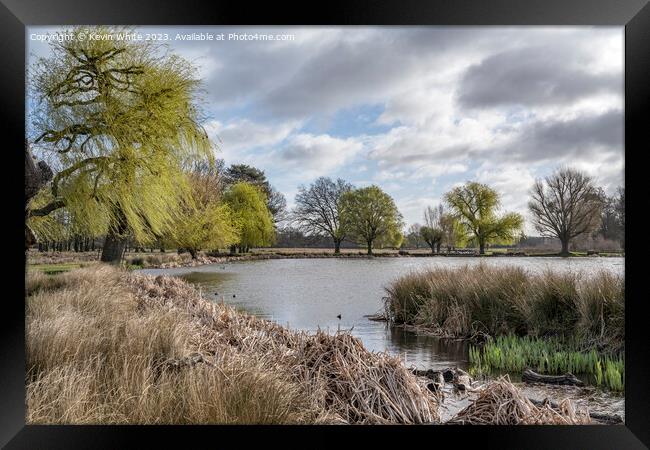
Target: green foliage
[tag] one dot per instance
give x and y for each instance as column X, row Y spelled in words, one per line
column 432, row 236
column 475, row 205
column 369, row 215
column 453, row 230
column 553, row 355
column 248, row 174
column 212, row 226
column 116, row 118
column 206, row 222
column 250, row 211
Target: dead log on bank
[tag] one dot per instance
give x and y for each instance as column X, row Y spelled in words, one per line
column 568, row 379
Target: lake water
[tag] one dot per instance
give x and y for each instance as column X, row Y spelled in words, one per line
column 309, row 294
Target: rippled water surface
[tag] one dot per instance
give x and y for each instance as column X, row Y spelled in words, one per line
column 310, row 293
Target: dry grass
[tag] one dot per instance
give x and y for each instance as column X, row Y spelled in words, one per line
column 36, row 257
column 100, row 342
column 157, row 259
column 501, row 403
column 502, row 300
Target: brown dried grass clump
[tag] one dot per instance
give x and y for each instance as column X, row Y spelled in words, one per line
column 458, row 302
column 501, row 403
column 343, row 381
column 100, row 344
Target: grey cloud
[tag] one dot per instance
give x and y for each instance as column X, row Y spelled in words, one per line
column 581, row 137
column 362, row 65
column 532, row 76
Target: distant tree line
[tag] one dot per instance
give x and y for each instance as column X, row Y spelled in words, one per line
column 116, row 157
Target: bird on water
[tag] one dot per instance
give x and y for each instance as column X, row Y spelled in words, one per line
column 338, row 317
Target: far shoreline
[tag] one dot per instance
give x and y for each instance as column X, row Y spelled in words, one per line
column 63, row 261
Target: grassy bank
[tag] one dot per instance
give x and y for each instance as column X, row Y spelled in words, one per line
column 108, row 346
column 459, row 302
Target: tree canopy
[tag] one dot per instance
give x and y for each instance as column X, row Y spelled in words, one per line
column 115, row 117
column 205, row 222
column 275, row 200
column 476, row 205
column 369, row 215
column 249, row 209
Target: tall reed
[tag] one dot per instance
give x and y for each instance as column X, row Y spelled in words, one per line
column 461, row 301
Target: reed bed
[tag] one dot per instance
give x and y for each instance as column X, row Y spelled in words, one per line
column 552, row 355
column 460, row 302
column 110, row 347
column 501, row 403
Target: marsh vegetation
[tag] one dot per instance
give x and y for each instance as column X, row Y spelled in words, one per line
column 553, row 322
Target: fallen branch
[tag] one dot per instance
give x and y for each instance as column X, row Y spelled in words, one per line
column 568, row 379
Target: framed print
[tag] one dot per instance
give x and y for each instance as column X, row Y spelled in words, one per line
column 376, row 218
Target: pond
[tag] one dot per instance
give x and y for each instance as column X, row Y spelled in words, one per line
column 311, row 293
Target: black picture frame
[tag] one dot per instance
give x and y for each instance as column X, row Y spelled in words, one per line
column 634, row 15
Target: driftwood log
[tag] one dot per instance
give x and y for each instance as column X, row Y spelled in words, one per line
column 568, row 379
column 608, row 419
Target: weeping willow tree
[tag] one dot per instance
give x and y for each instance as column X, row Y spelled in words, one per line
column 475, row 205
column 249, row 206
column 118, row 117
column 206, row 222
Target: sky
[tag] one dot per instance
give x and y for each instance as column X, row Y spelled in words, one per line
column 415, row 110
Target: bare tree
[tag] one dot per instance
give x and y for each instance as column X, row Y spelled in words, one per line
column 620, row 212
column 565, row 206
column 317, row 210
column 432, row 232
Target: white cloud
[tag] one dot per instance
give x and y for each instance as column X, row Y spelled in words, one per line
column 317, row 154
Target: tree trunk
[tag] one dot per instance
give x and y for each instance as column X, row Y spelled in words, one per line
column 113, row 249
column 116, row 241
column 337, row 246
column 370, row 247
column 565, row 248
column 481, row 247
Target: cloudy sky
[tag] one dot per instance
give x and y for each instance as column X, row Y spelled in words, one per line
column 416, row 110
